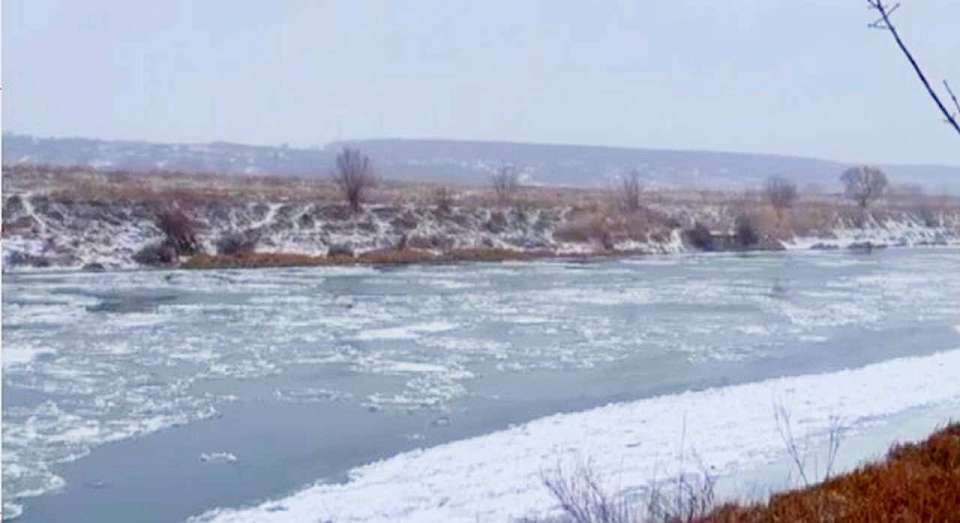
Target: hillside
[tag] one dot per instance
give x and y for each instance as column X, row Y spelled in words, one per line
column 463, row 162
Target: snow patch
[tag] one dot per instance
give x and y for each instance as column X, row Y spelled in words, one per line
column 497, row 477
column 218, row 457
column 407, row 332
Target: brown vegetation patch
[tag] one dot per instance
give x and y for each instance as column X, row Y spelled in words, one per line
column 606, row 225
column 378, row 257
column 254, row 260
column 916, row 482
column 490, row 254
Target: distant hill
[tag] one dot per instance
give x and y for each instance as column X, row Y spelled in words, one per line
column 217, row 157
column 463, row 162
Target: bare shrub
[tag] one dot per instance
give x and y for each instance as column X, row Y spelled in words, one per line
column 799, row 452
column 582, row 229
column 863, row 185
column 700, row 237
column 913, row 199
column 639, row 227
column 813, row 218
column 781, row 193
column 180, row 231
column 505, row 183
column 156, row 254
column 443, row 199
column 238, row 243
column 583, row 496
column 687, row 500
column 584, row 499
column 929, row 215
column 645, row 223
column 745, row 231
column 354, row 176
column 629, row 192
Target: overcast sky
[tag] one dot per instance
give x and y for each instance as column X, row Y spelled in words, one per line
column 802, row 78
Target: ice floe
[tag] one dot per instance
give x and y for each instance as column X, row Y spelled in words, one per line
column 498, row 476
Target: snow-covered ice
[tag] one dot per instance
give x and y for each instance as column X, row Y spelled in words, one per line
column 94, row 358
column 498, row 476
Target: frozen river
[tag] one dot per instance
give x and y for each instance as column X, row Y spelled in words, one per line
column 157, row 396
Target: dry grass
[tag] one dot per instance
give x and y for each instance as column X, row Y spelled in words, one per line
column 597, row 217
column 252, row 260
column 608, row 224
column 916, row 482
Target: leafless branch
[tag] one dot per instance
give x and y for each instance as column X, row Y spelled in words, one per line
column 781, row 193
column 953, row 97
column 886, row 24
column 354, row 176
column 864, row 184
column 833, row 445
column 784, row 427
column 584, row 499
column 506, row 183
column 799, row 455
column 630, row 191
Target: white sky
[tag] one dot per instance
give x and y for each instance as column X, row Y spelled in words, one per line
column 803, row 78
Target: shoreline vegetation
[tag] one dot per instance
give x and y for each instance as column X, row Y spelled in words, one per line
column 915, row 481
column 81, row 218
column 381, row 257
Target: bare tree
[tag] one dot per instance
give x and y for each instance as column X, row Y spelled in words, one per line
column 629, row 191
column 354, row 176
column 506, row 183
column 863, row 184
column 443, row 198
column 885, row 23
column 781, row 193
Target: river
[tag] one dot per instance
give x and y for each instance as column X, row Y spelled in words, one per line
column 161, row 395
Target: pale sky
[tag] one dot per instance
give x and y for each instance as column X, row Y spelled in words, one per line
column 802, row 78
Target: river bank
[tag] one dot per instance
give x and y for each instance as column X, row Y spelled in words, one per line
column 164, row 222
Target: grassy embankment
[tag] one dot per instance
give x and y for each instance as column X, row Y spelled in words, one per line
column 916, row 482
column 595, row 221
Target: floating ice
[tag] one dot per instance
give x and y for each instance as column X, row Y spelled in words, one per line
column 498, row 476
column 94, row 358
column 218, row 457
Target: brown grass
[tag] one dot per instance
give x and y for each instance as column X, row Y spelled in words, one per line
column 608, row 224
column 595, row 218
column 378, row 257
column 917, row 482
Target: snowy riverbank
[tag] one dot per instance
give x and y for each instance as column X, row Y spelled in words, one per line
column 498, row 477
column 40, row 232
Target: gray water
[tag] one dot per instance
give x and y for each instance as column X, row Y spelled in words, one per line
column 153, row 396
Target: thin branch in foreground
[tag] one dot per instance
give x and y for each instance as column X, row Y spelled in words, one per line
column 782, row 417
column 884, row 23
column 952, row 97
column 833, row 445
